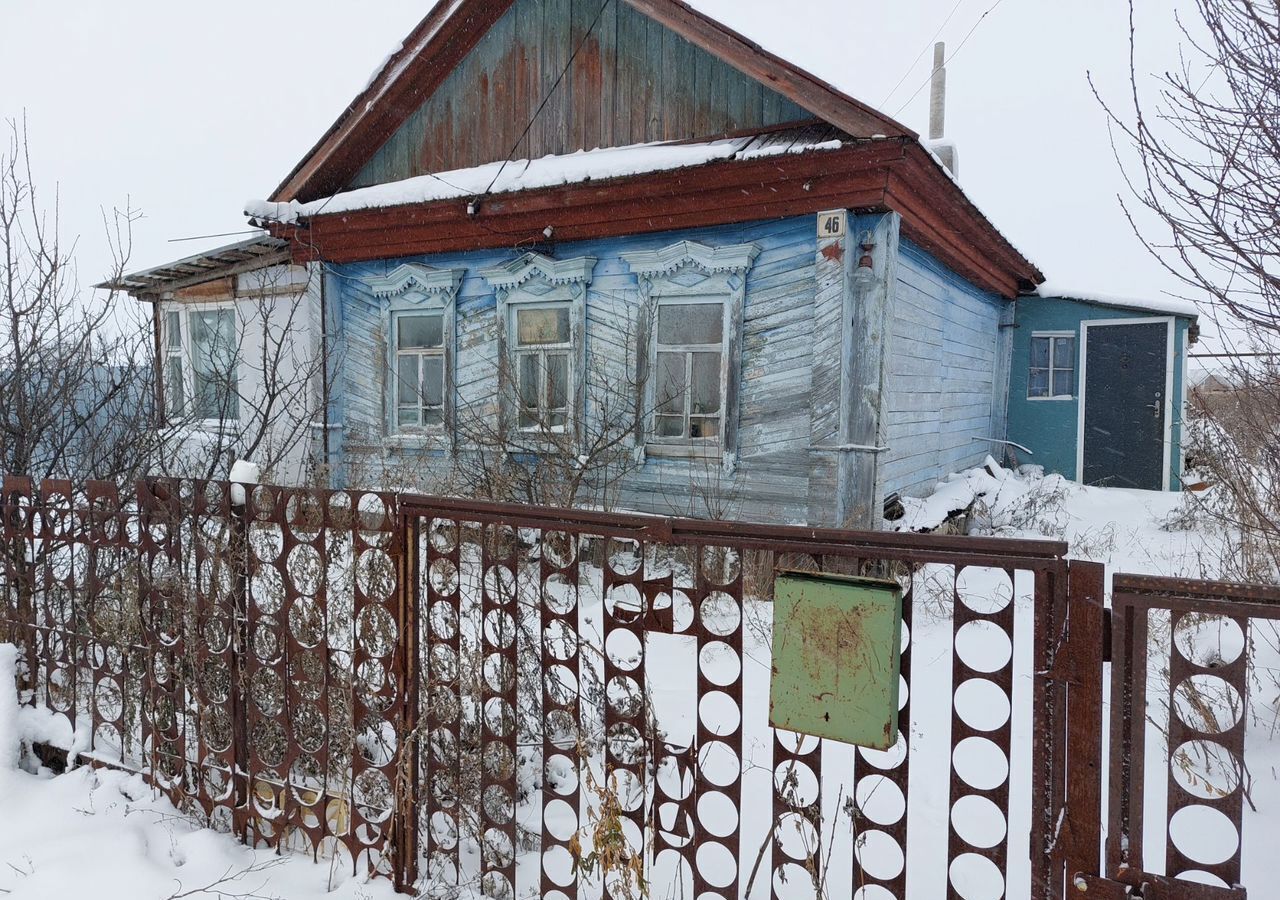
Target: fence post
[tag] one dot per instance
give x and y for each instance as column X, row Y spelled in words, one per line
column 404, row 846
column 1086, row 634
column 239, row 548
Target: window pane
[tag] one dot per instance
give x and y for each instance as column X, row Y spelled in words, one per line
column 692, row 323
column 1062, row 386
column 706, row 383
column 530, row 380
column 707, row 427
column 408, row 415
column 213, row 351
column 173, row 330
column 407, row 380
column 669, row 393
column 558, row 382
column 1064, row 353
column 542, row 326
column 1039, row 353
column 174, row 387
column 1039, row 384
column 432, row 381
column 433, row 417
column 420, row 332
column 669, row 426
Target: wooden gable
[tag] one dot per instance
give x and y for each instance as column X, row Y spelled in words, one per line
column 474, row 74
column 633, row 81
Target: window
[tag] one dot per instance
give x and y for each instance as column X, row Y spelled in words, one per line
column 175, row 379
column 689, row 391
column 201, row 378
column 420, row 370
column 543, row 342
column 1053, row 367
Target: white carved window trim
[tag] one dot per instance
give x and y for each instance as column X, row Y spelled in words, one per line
column 537, row 281
column 411, row 289
column 690, row 272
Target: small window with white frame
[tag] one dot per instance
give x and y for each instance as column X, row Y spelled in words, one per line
column 1052, row 374
column 689, row 349
column 542, row 344
column 201, row 364
column 421, row 379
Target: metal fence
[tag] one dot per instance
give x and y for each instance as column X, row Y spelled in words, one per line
column 566, row 703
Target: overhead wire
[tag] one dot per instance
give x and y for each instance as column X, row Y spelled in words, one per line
column 933, row 40
column 953, row 55
column 547, row 99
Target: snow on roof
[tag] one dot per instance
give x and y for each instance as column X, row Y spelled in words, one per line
column 550, row 171
column 1167, row 305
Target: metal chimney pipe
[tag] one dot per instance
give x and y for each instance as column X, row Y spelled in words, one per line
column 938, row 97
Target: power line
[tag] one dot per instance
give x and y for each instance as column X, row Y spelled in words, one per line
column 933, row 40
column 547, row 99
column 981, row 19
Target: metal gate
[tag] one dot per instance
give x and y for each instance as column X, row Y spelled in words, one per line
column 1181, row 655
column 592, row 712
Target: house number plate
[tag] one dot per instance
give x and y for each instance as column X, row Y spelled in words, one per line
column 833, row 224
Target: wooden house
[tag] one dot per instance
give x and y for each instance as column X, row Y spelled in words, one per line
column 799, row 304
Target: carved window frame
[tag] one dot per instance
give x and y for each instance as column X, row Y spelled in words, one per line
column 682, row 272
column 537, row 281
column 409, row 289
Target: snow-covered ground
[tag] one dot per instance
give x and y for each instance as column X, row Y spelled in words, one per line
column 101, row 835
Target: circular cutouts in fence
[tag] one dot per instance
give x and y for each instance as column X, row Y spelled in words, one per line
column 982, row 704
column 1204, row 835
column 983, row 646
column 984, row 590
column 1208, row 704
column 1206, row 769
column 978, row 821
column 1208, row 641
column 980, row 763
column 975, row 877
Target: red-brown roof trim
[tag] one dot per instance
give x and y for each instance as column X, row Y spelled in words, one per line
column 453, row 28
column 896, row 174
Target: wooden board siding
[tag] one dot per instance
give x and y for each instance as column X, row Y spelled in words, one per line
column 634, row 81
column 770, row 480
column 946, row 379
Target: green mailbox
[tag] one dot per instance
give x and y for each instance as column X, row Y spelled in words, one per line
column 837, row 654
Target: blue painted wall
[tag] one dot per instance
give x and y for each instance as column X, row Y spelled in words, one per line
column 945, row 381
column 771, row 476
column 1050, row 428
column 947, row 375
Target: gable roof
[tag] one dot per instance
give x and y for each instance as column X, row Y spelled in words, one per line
column 454, row 27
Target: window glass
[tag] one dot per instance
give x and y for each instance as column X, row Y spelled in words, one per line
column 1064, row 352
column 1039, row 353
column 705, row 395
column 407, row 378
column 669, row 394
column 173, row 330
column 175, row 386
column 692, row 323
column 1039, row 385
column 421, row 332
column 213, row 351
column 1062, row 386
column 433, row 380
column 535, row 327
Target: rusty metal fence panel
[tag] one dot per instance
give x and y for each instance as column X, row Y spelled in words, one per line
column 542, row 701
column 238, row 644
column 549, row 636
column 1182, row 701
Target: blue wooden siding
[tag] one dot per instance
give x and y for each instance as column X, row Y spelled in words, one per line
column 634, row 81
column 947, row 371
column 770, row 479
column 1050, row 428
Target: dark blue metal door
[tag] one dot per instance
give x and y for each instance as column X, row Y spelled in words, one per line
column 1126, row 370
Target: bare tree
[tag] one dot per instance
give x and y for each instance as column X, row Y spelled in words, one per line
column 1201, row 154
column 75, row 372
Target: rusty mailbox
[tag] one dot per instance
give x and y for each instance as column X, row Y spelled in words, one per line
column 837, row 653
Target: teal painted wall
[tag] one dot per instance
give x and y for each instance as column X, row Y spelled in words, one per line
column 1050, row 428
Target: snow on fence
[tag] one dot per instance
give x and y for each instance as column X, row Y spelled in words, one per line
column 518, row 700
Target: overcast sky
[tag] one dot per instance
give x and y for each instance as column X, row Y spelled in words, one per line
column 187, row 110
